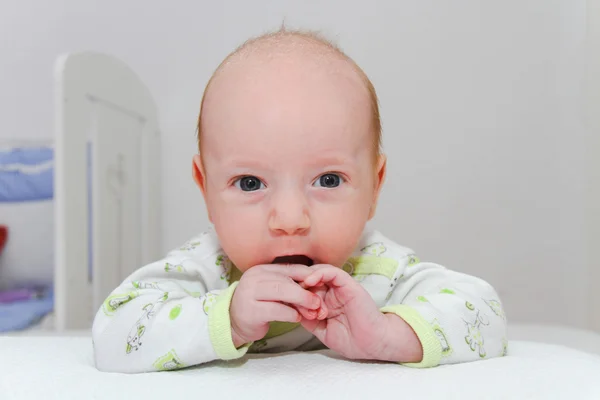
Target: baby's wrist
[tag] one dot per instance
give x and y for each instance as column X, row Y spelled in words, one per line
column 238, row 341
column 400, row 342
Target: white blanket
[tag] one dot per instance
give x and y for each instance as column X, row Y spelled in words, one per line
column 62, row 368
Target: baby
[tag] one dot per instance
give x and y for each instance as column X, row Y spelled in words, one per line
column 290, row 168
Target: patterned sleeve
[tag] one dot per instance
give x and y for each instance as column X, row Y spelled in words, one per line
column 167, row 315
column 457, row 317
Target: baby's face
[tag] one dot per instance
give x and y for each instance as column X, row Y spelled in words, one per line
column 288, row 162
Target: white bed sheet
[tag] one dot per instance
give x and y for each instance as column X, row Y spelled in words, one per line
column 62, row 368
column 575, row 338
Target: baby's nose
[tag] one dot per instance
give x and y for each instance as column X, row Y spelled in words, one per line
column 290, row 216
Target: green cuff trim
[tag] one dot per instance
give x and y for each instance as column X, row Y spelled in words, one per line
column 432, row 349
column 367, row 265
column 219, row 327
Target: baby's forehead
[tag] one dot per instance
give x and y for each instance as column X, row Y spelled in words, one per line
column 285, row 97
column 285, row 86
column 297, row 48
column 286, row 52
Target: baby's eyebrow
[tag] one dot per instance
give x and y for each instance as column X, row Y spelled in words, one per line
column 237, row 166
column 333, row 160
column 240, row 163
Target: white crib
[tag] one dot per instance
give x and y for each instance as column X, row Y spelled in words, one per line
column 106, row 186
column 101, row 101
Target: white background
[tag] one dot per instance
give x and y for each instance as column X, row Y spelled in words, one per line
column 482, row 105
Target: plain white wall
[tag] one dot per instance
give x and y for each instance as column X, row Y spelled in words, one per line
column 481, row 105
column 592, row 152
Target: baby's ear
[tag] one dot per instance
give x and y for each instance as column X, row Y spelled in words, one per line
column 380, row 171
column 198, row 174
column 200, row 179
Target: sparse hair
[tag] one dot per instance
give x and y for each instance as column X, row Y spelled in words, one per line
column 311, row 37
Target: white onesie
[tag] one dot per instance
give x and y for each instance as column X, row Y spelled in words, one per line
column 174, row 313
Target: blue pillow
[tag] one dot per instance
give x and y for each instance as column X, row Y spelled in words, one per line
column 22, row 314
column 26, row 174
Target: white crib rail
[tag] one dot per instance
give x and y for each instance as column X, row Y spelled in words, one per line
column 103, row 104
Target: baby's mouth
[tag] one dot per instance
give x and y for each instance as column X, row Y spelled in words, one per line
column 294, row 259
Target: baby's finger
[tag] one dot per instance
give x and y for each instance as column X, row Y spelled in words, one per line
column 305, row 286
column 316, row 327
column 286, row 291
column 321, row 291
column 314, row 268
column 306, row 313
column 274, row 311
column 322, row 313
column 297, row 272
column 330, row 276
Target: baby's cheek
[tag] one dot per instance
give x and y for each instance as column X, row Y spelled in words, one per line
column 340, row 243
column 239, row 246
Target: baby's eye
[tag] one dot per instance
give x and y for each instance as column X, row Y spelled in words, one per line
column 248, row 183
column 328, row 181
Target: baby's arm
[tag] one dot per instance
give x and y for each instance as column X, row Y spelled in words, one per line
column 456, row 317
column 167, row 315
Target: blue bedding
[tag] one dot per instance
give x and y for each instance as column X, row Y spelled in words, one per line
column 26, row 174
column 19, row 315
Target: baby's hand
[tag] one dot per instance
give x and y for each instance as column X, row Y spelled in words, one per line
column 270, row 293
column 351, row 323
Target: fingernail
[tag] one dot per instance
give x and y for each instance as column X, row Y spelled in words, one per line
column 322, row 314
column 316, row 302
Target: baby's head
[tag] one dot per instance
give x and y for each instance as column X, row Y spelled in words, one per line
column 289, row 159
